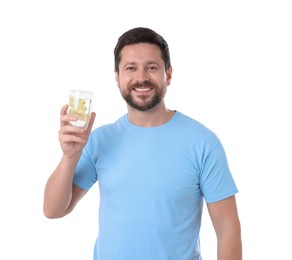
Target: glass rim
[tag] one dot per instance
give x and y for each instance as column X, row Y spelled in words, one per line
column 80, row 91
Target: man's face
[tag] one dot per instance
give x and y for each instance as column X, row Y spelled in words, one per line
column 142, row 78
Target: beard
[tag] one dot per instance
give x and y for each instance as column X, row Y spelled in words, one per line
column 145, row 102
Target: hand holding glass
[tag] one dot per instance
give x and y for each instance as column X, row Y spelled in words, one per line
column 80, row 107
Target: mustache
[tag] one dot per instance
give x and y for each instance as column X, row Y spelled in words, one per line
column 145, row 83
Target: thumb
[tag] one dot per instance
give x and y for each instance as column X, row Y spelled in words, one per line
column 91, row 121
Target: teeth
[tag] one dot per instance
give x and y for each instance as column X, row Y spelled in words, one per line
column 142, row 89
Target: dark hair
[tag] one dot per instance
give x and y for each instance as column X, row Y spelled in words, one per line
column 142, row 35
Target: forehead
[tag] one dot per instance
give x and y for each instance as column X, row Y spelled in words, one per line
column 141, row 52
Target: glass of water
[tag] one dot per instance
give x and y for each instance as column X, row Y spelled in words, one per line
column 80, row 106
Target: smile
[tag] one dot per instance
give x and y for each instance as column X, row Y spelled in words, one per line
column 142, row 89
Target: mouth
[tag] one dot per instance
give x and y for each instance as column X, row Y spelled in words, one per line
column 142, row 90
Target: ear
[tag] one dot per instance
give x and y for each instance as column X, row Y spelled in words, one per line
column 168, row 75
column 117, row 77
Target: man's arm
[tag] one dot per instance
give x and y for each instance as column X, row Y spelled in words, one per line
column 61, row 195
column 226, row 222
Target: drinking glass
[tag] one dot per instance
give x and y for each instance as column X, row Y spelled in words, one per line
column 80, row 106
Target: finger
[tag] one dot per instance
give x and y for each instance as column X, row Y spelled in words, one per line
column 91, row 121
column 71, row 130
column 66, row 119
column 63, row 115
column 64, row 110
column 66, row 139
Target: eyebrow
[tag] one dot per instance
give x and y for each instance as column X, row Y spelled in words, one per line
column 147, row 63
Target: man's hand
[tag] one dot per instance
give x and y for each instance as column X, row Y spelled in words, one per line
column 73, row 139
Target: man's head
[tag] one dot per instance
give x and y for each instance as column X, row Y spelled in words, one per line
column 142, row 68
column 142, row 35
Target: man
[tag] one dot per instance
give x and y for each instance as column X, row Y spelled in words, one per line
column 154, row 167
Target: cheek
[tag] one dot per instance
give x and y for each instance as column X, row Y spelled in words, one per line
column 124, row 81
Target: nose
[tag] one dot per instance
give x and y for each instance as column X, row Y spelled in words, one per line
column 141, row 75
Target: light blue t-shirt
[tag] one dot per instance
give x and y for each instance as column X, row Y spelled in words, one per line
column 152, row 183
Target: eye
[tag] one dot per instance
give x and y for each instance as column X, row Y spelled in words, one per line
column 152, row 68
column 130, row 68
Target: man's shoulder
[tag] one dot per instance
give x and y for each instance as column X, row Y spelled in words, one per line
column 191, row 122
column 192, row 127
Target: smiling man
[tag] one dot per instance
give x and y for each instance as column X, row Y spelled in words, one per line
column 154, row 166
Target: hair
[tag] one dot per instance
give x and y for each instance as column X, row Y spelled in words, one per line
column 142, row 35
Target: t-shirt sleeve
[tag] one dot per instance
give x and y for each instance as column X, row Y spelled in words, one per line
column 85, row 173
column 216, row 179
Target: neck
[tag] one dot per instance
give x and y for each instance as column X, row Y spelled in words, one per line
column 155, row 117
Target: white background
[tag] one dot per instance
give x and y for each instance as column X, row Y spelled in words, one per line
column 232, row 65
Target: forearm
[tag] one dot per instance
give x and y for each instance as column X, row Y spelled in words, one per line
column 230, row 247
column 58, row 190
